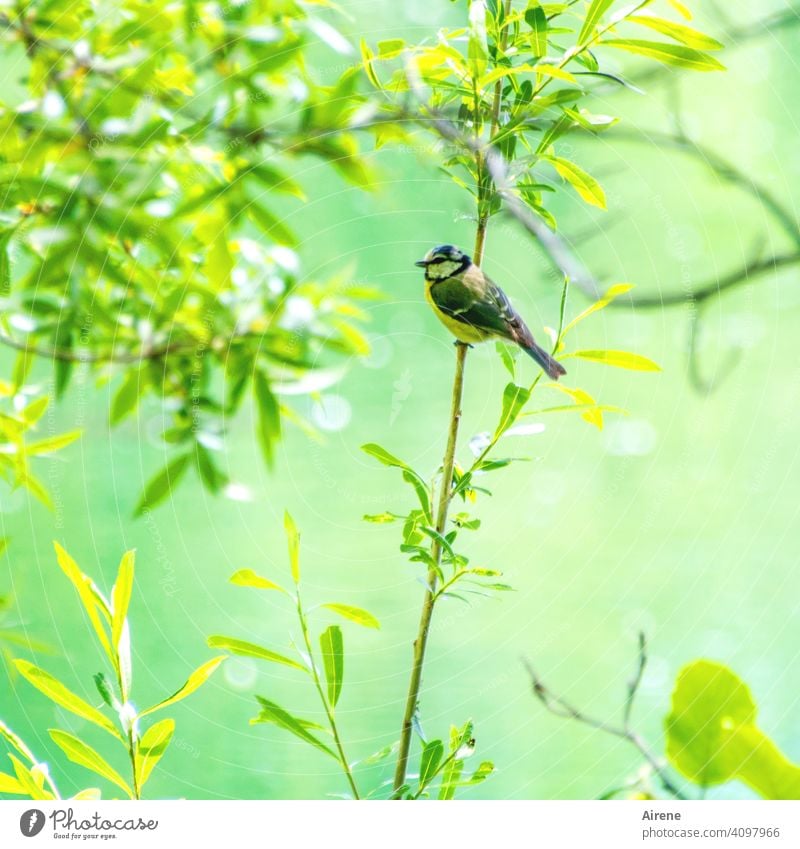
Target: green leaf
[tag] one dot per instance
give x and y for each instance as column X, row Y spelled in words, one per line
column 409, row 475
column 611, row 293
column 354, row 614
column 584, row 184
column 271, row 225
column 618, row 359
column 368, row 59
column 514, row 399
column 127, row 396
column 248, row 578
column 242, row 647
column 151, row 747
column 596, row 10
column 63, row 696
column 84, row 755
column 268, row 429
column 120, row 599
column 293, row 539
column 270, row 712
column 536, row 19
column 669, row 54
column 477, row 46
column 162, row 484
column 35, row 410
column 52, row 443
column 92, row 601
column 712, row 736
column 429, row 762
column 193, row 682
column 332, row 647
column 680, row 32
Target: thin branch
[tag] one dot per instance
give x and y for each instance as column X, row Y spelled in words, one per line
column 559, row 706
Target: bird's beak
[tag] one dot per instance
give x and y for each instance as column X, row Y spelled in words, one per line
column 422, row 263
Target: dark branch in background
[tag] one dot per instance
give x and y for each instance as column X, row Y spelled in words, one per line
column 559, row 706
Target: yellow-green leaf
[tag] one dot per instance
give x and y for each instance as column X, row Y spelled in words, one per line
column 91, row 599
column 611, row 293
column 555, row 72
column 669, row 54
column 618, row 359
column 193, row 682
column 293, row 538
column 151, row 748
column 62, row 696
column 84, row 755
column 246, row 649
column 354, row 614
column 595, row 11
column 332, row 646
column 9, row 784
column 248, row 578
column 121, row 596
column 680, row 32
column 32, row 786
column 52, row 443
column 584, row 184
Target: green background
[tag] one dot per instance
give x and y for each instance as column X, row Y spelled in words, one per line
column 680, row 518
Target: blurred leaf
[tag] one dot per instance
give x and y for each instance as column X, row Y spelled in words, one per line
column 162, row 484
column 52, row 443
column 270, row 712
column 269, row 418
column 712, row 736
column 245, row 649
column 62, row 696
column 26, row 778
column 127, row 395
column 354, row 614
column 332, row 647
column 193, row 682
column 618, row 359
column 151, row 747
column 669, row 54
column 293, row 539
column 84, row 755
column 477, row 46
column 248, row 578
column 9, row 784
column 680, row 32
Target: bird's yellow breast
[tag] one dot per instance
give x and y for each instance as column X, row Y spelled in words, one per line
column 462, row 332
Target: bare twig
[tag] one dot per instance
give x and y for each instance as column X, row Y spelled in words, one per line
column 559, row 706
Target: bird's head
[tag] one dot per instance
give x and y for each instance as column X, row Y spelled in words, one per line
column 444, row 261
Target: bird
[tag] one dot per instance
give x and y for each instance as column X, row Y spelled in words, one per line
column 474, row 308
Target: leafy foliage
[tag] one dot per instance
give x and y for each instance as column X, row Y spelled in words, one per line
column 118, row 717
column 144, row 150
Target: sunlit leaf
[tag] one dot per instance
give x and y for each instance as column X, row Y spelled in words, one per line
column 669, row 54
column 246, row 649
column 270, row 712
column 248, row 578
column 596, row 10
column 584, row 184
column 293, row 540
column 618, row 359
column 193, row 682
column 332, row 647
column 611, row 293
column 151, row 747
column 680, row 32
column 354, row 614
column 63, row 696
column 84, row 755
column 514, row 399
column 120, row 598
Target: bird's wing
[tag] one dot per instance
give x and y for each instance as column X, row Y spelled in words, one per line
column 488, row 310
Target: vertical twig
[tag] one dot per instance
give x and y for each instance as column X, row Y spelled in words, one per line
column 446, row 484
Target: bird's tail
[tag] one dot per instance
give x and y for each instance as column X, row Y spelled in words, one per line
column 553, row 368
